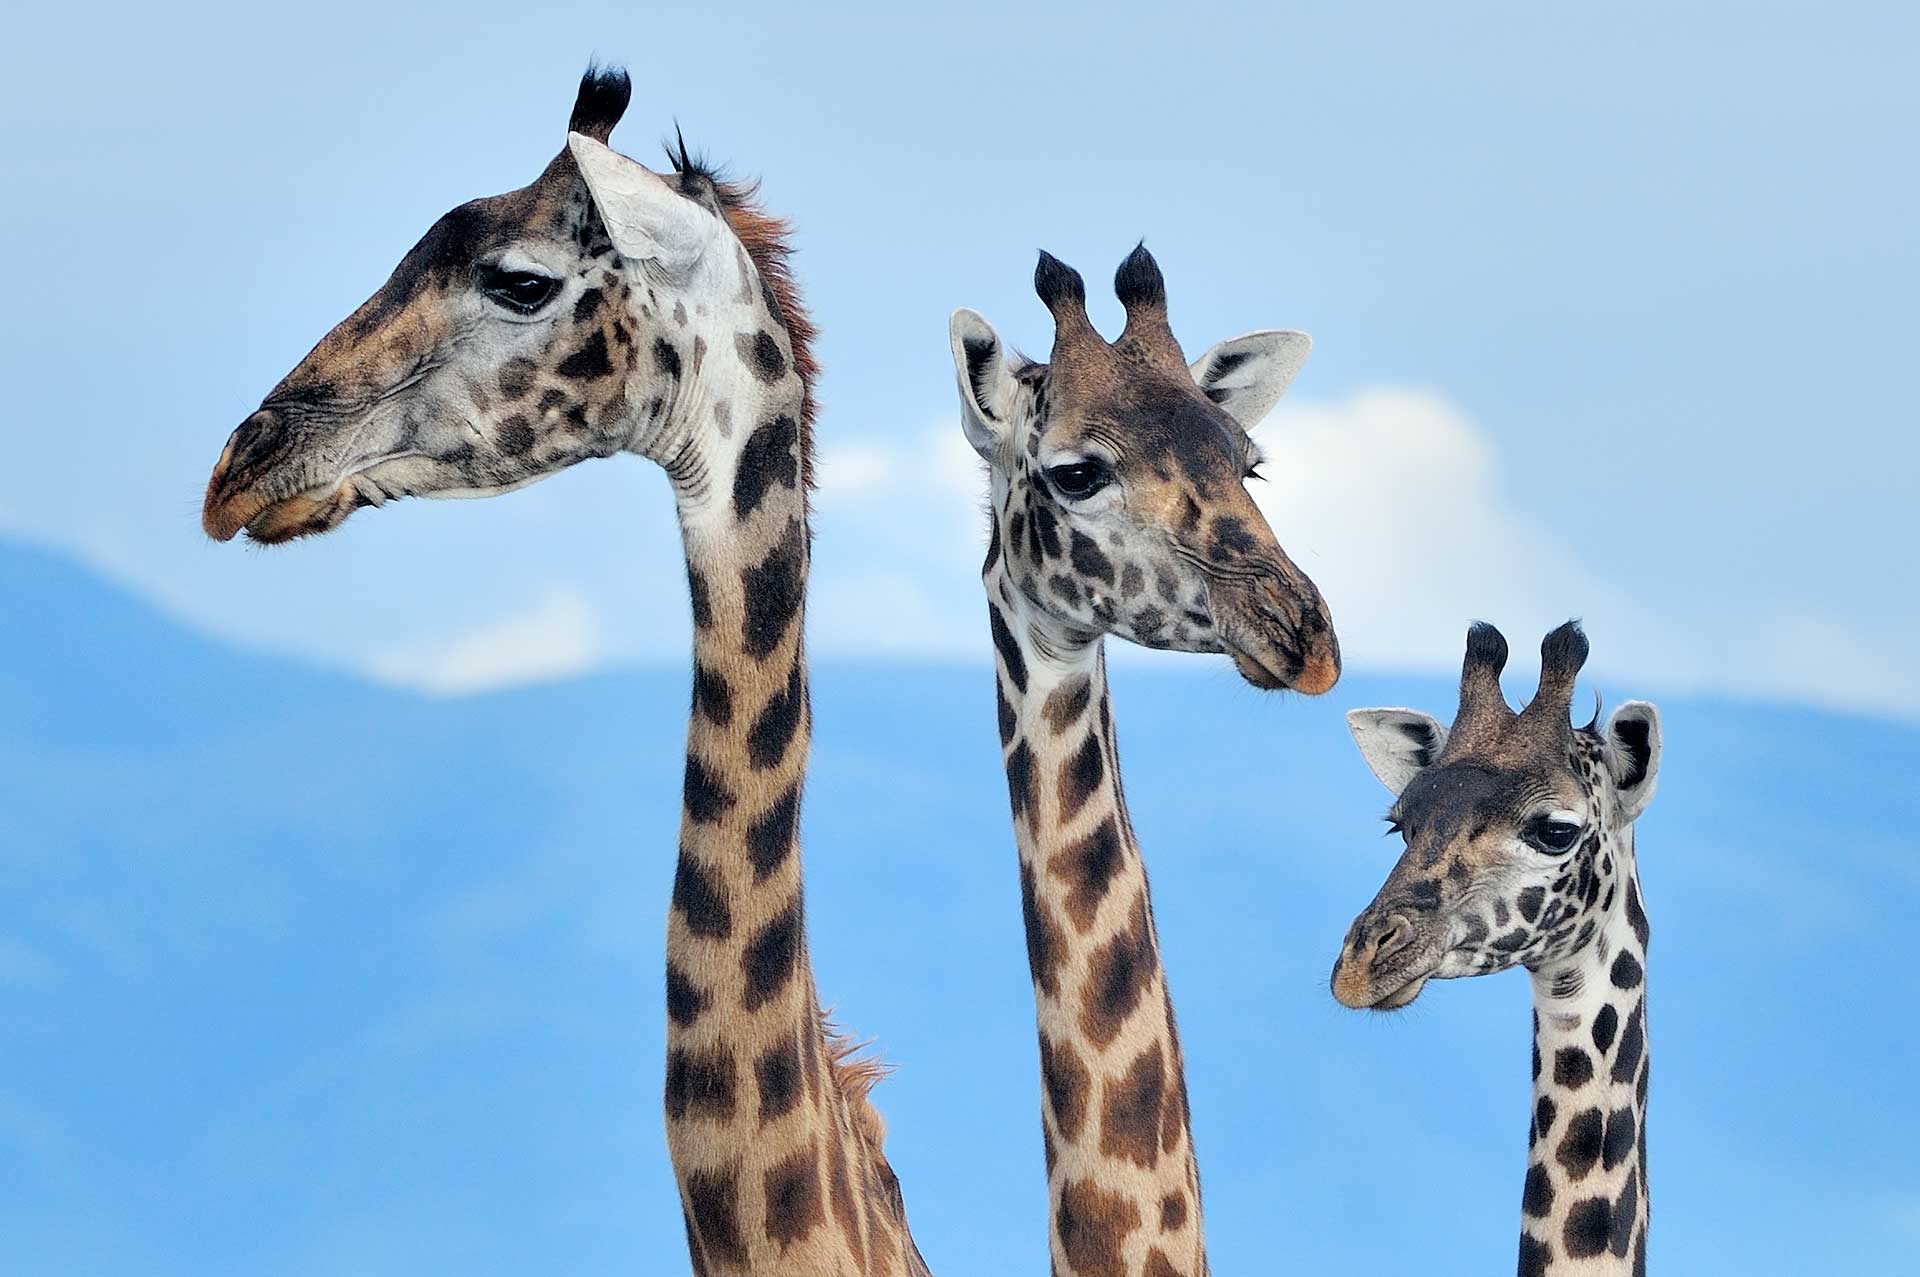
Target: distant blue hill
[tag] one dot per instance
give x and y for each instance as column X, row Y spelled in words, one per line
column 304, row 975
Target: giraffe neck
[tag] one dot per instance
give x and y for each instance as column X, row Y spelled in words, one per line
column 1584, row 1210
column 775, row 1148
column 1123, row 1190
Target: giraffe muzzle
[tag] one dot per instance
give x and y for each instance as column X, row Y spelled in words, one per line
column 1382, row 966
column 255, row 486
column 1279, row 634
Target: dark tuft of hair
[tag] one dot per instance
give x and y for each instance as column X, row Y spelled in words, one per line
column 602, row 100
column 1058, row 283
column 1486, row 646
column 1593, row 725
column 1139, row 282
column 1563, row 651
column 699, row 173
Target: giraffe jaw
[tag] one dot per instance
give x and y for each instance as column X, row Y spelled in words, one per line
column 1359, row 985
column 1402, row 996
column 309, row 512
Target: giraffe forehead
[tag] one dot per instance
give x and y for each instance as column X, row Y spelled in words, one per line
column 1155, row 430
column 1462, row 796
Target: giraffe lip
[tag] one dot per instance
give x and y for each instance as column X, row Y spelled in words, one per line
column 300, row 514
column 1401, row 996
column 310, row 511
column 1253, row 667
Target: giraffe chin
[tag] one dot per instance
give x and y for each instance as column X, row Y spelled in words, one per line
column 1318, row 674
column 1400, row 997
column 304, row 514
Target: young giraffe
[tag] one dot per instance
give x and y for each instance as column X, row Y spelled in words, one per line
column 1519, row 835
column 606, row 309
column 1118, row 507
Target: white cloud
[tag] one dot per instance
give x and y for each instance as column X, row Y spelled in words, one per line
column 1392, row 500
column 901, row 530
column 1395, row 504
column 1392, row 503
column 560, row 636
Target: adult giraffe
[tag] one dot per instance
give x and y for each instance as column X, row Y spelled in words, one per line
column 606, row 309
column 1118, row 507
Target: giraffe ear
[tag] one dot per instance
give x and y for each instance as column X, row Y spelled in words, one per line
column 1633, row 755
column 646, row 218
column 1247, row 375
column 988, row 388
column 1398, row 744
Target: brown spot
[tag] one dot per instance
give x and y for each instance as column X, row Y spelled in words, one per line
column 515, row 436
column 1080, row 777
column 776, row 1076
column 1092, row 1225
column 1044, row 946
column 1067, row 1084
column 1020, row 779
column 700, row 1084
column 1158, row 1265
column 1068, row 701
column 769, row 960
column 516, row 377
column 588, row 363
column 840, row 1196
column 696, row 1253
column 761, row 353
column 793, row 1197
column 1118, row 975
column 1088, row 867
column 1130, row 1113
column 1173, row 1211
column 710, row 1203
column 711, row 695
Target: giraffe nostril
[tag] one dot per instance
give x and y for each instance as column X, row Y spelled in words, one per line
column 1395, row 935
column 247, row 448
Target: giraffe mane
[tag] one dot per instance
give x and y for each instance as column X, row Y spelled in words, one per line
column 856, row 1074
column 769, row 242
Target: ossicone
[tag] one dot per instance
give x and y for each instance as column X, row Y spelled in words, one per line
column 602, row 100
column 1059, row 286
column 1562, row 654
column 1138, row 283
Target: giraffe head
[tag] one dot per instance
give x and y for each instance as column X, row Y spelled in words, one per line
column 525, row 332
column 1119, row 494
column 1517, row 827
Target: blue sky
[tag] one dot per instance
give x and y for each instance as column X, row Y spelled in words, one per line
column 1611, row 308
column 304, row 975
column 315, row 958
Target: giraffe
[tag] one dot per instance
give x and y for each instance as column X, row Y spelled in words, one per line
column 605, row 309
column 1520, row 850
column 1118, row 507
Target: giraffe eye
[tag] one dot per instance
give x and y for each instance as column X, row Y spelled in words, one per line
column 520, row 291
column 1078, row 480
column 1554, row 836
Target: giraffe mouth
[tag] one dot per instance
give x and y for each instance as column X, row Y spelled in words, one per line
column 309, row 512
column 1400, row 997
column 270, row 515
column 1272, row 668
